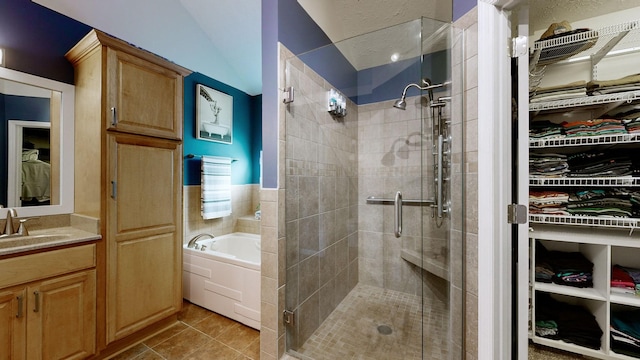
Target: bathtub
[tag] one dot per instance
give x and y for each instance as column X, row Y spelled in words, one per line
column 225, row 277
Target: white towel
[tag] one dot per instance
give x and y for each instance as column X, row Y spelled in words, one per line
column 215, row 187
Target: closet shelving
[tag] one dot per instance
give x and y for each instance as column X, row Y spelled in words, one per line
column 605, row 241
column 623, row 38
column 611, row 40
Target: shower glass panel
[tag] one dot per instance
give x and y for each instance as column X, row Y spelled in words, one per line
column 374, row 196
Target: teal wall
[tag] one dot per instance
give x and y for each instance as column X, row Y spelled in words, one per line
column 247, row 133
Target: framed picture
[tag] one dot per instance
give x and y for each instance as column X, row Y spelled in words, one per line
column 214, row 115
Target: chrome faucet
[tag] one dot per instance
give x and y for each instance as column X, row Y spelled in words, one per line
column 8, row 227
column 192, row 243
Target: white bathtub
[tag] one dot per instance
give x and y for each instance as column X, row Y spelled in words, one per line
column 225, row 277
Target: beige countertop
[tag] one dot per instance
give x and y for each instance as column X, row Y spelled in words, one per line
column 45, row 238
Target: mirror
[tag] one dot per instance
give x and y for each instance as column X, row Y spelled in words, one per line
column 36, row 163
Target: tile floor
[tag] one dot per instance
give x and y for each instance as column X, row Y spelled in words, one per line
column 351, row 331
column 200, row 335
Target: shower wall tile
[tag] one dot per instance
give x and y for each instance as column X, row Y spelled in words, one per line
column 308, row 196
column 341, row 285
column 471, row 256
column 371, row 245
column 327, row 268
column 327, row 299
column 292, row 243
column 309, row 316
column 320, row 205
column 327, row 235
column 471, row 338
column 291, row 288
column 471, row 203
column 469, row 24
column 471, row 71
column 471, row 108
column 308, row 277
column 342, row 255
column 327, row 193
column 308, row 237
column 371, row 272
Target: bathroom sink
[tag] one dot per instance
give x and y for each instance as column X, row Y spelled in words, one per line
column 18, row 240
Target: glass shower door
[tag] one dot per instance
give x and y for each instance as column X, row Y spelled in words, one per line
column 371, row 157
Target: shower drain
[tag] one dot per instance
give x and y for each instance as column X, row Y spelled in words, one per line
column 384, row 330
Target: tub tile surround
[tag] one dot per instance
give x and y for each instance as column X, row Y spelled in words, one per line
column 245, row 200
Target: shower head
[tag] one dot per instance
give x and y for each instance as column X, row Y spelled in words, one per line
column 402, row 104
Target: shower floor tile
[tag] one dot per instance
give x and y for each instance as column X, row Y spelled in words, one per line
column 352, row 329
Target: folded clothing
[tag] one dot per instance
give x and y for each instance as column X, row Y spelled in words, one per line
column 563, row 268
column 625, row 280
column 575, row 323
column 626, row 83
column 625, row 332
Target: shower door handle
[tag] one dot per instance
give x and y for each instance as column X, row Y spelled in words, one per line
column 439, row 179
column 397, row 206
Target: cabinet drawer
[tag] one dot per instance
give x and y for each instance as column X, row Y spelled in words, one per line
column 33, row 267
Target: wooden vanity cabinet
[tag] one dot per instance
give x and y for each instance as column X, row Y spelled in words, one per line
column 49, row 317
column 142, row 97
column 129, row 175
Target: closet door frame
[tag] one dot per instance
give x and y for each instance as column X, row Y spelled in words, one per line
column 500, row 337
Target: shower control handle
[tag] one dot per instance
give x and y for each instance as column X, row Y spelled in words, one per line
column 397, row 206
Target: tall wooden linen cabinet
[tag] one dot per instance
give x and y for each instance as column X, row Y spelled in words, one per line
column 128, row 166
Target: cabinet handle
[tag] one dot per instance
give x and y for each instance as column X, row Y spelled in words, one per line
column 114, row 117
column 20, row 306
column 36, row 307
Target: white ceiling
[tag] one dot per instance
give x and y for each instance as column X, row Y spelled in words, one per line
column 222, row 38
column 545, row 12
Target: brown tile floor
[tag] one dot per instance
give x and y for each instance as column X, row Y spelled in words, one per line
column 200, row 335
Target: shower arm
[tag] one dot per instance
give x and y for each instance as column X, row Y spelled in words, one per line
column 427, row 87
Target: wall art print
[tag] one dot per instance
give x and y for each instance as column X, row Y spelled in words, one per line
column 214, row 115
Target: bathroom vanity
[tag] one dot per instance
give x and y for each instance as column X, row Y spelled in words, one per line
column 48, row 294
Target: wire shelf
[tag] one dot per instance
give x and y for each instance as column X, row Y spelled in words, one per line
column 613, row 222
column 591, row 46
column 585, row 101
column 584, row 140
column 600, row 34
column 600, row 181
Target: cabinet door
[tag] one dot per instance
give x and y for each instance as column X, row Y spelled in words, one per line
column 61, row 318
column 142, row 97
column 144, row 243
column 12, row 324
